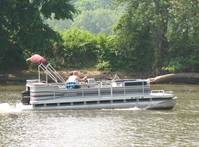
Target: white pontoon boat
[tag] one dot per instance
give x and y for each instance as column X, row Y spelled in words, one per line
column 122, row 93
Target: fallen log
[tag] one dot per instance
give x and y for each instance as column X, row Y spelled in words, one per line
column 191, row 78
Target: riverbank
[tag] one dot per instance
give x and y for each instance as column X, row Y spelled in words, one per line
column 21, row 76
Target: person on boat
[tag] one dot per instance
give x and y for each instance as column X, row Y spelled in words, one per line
column 74, row 80
column 37, row 59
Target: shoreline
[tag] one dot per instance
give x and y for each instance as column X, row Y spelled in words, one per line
column 20, row 77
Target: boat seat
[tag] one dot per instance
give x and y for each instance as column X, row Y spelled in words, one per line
column 72, row 85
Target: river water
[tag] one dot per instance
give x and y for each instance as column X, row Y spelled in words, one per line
column 100, row 128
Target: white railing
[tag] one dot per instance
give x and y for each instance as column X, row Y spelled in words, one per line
column 161, row 91
column 101, row 91
column 50, row 72
column 157, row 91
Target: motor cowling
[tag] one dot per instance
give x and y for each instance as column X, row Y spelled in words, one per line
column 25, row 97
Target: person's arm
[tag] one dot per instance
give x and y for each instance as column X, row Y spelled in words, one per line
column 82, row 79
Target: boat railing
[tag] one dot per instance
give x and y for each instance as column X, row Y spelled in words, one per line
column 57, row 75
column 161, row 91
column 50, row 72
column 108, row 90
column 157, row 91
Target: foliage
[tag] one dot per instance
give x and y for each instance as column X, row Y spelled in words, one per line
column 160, row 35
column 99, row 20
column 84, row 49
column 151, row 36
column 175, row 65
column 106, row 51
column 135, row 39
column 96, row 16
column 103, row 65
column 78, row 48
column 22, row 28
column 183, row 35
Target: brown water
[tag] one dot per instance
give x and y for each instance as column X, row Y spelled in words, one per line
column 101, row 128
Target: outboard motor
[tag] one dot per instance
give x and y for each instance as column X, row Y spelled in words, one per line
column 25, row 97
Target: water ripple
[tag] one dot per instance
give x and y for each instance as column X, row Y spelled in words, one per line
column 102, row 128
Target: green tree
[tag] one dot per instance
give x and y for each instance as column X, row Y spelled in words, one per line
column 106, row 52
column 183, row 36
column 135, row 37
column 22, row 29
column 78, row 49
column 96, row 21
column 83, row 49
column 96, row 16
column 160, row 35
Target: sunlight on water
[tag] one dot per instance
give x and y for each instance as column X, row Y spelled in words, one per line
column 7, row 108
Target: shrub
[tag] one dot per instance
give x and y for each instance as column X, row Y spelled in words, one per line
column 103, row 66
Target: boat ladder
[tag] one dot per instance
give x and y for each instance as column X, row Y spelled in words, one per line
column 50, row 72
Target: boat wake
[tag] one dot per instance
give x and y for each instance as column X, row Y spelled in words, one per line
column 130, row 109
column 7, row 108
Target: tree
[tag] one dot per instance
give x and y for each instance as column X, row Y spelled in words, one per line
column 135, row 37
column 183, row 36
column 22, row 29
column 166, row 30
column 78, row 49
column 96, row 16
column 96, row 21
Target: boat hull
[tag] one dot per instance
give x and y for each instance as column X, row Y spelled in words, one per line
column 167, row 103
